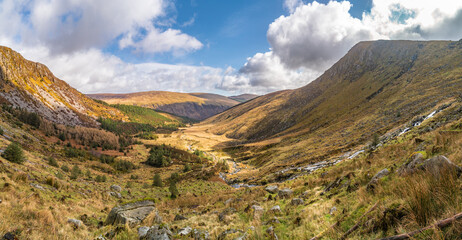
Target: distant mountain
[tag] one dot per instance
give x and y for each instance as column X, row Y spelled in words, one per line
column 197, row 106
column 32, row 86
column 375, row 87
column 243, row 97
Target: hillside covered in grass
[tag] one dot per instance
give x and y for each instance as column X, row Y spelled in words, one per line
column 197, row 106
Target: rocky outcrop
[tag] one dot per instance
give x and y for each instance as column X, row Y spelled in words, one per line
column 130, row 213
column 375, row 179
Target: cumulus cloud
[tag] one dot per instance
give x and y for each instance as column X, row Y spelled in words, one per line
column 69, row 26
column 314, row 36
column 156, row 41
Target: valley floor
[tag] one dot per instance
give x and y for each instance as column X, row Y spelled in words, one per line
column 398, row 187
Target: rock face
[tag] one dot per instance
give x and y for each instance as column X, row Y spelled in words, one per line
column 131, row 213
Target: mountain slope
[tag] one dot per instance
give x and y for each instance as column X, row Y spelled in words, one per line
column 243, row 97
column 375, row 87
column 198, row 106
column 31, row 86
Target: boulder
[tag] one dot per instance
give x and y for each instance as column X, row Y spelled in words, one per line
column 305, row 195
column 75, row 223
column 297, row 201
column 222, row 215
column 116, row 188
column 285, row 193
column 157, row 218
column 272, row 189
column 142, row 231
column 375, row 179
column 130, row 213
column 276, row 209
column 200, row 235
column 271, row 233
column 333, row 210
column 273, row 220
column 185, row 231
column 233, row 232
column 437, row 164
column 257, row 211
column 157, row 232
column 179, row 217
column 116, row 194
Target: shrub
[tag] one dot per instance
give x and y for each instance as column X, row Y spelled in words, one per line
column 186, row 168
column 173, row 190
column 52, row 181
column 1, row 131
column 65, row 168
column 124, row 166
column 173, row 180
column 14, row 153
column 75, row 172
column 52, row 162
column 157, row 181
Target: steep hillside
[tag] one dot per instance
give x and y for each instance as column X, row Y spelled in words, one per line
column 31, row 86
column 198, row 106
column 243, row 97
column 377, row 86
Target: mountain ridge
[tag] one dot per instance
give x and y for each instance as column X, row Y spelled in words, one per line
column 33, row 87
column 198, row 106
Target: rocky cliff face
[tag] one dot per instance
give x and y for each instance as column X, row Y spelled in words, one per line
column 33, row 87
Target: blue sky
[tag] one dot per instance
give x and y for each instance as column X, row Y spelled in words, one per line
column 226, row 47
column 231, row 31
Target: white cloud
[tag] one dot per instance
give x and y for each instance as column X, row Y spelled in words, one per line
column 155, row 41
column 68, row 26
column 291, row 5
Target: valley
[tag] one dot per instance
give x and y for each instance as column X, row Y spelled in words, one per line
column 369, row 150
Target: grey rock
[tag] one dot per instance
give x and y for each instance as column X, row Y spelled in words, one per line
column 416, row 159
column 305, row 195
column 375, row 179
column 116, row 194
column 285, row 193
column 257, row 211
column 272, row 189
column 437, row 164
column 270, row 232
column 38, row 186
column 185, row 231
column 200, row 234
column 157, row 218
column 332, row 210
column 116, row 188
column 273, row 220
column 229, row 201
column 179, row 217
column 224, row 234
column 75, row 223
column 276, row 209
column 142, row 231
column 297, row 201
column 130, row 213
column 100, row 237
column 224, row 213
column 157, row 232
